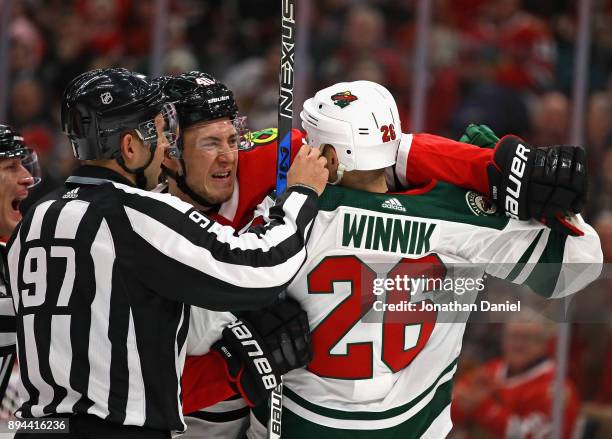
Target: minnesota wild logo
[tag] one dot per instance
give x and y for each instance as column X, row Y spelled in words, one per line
column 343, row 99
column 480, row 205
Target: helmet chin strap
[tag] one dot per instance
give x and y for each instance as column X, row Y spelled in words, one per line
column 141, row 179
column 181, row 182
column 339, row 174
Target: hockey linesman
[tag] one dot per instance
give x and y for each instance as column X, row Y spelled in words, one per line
column 102, row 272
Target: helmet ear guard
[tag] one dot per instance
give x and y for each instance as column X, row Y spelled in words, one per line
column 323, row 130
column 359, row 119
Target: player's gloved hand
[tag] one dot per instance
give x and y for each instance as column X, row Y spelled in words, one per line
column 262, row 345
column 548, row 184
column 479, row 135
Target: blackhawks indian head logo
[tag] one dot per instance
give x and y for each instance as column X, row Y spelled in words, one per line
column 343, row 99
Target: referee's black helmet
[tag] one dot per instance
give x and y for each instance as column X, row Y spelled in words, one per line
column 99, row 106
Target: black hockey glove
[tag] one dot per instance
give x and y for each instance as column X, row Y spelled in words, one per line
column 548, row 184
column 262, row 345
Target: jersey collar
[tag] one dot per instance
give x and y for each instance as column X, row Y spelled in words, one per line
column 95, row 175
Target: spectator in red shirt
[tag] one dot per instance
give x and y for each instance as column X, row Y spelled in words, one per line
column 512, row 396
column 590, row 358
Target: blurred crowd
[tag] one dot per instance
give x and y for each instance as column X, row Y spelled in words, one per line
column 505, row 63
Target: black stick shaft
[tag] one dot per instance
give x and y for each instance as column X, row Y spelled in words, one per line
column 285, row 100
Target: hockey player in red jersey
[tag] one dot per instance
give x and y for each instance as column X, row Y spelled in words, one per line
column 229, row 187
column 201, row 170
column 512, row 396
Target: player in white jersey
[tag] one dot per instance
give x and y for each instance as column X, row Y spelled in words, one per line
column 393, row 378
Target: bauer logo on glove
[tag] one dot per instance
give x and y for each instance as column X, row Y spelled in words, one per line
column 262, row 345
column 547, row 184
column 517, row 172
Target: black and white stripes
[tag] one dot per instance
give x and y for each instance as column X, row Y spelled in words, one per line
column 7, row 333
column 100, row 281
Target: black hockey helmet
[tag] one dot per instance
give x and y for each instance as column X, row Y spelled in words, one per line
column 11, row 143
column 13, row 146
column 101, row 105
column 199, row 97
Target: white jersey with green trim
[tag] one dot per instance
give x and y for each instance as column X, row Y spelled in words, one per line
column 378, row 369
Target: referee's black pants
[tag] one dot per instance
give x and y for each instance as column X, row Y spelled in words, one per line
column 92, row 427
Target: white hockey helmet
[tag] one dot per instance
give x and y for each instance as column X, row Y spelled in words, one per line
column 359, row 119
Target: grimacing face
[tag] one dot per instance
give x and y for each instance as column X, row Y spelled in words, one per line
column 14, row 183
column 211, row 159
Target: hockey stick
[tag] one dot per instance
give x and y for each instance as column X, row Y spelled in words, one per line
column 283, row 159
column 285, row 99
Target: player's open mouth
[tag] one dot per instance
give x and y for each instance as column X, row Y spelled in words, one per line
column 15, row 208
column 222, row 175
column 16, row 203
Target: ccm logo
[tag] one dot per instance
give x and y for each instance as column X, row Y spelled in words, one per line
column 517, row 170
column 253, row 349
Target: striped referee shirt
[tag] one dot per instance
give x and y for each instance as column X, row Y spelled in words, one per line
column 102, row 275
column 7, row 330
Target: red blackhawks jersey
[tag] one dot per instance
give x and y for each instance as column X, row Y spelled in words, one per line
column 520, row 406
column 421, row 159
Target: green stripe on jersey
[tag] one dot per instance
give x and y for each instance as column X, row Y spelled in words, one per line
column 366, row 416
column 296, row 427
column 545, row 274
column 523, row 260
column 444, row 202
